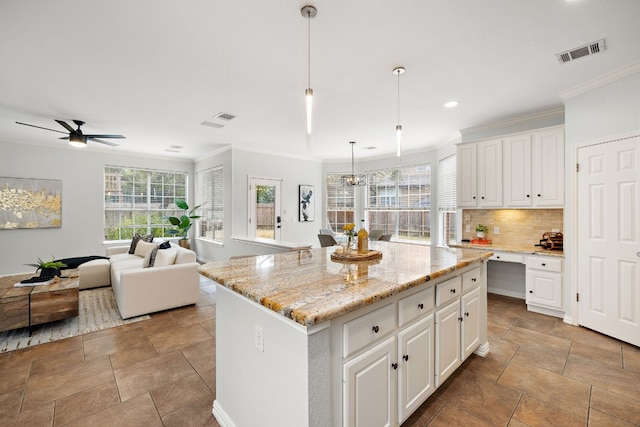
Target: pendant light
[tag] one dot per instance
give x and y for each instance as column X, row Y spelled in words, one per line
column 354, row 180
column 309, row 12
column 397, row 71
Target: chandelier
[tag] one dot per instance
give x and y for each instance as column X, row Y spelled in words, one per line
column 354, row 180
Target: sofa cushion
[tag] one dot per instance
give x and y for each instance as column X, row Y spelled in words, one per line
column 143, row 248
column 158, row 257
column 113, row 259
column 137, row 238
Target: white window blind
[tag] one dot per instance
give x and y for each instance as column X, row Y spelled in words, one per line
column 340, row 203
column 447, row 186
column 210, row 192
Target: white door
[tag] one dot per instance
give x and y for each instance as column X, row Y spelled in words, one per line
column 265, row 218
column 608, row 246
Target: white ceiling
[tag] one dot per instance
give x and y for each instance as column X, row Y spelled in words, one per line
column 154, row 70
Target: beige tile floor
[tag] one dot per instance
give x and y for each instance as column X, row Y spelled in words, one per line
column 540, row 372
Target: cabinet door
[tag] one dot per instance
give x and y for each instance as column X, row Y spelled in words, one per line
column 466, row 175
column 416, row 361
column 470, row 322
column 447, row 341
column 544, row 288
column 517, row 171
column 547, row 150
column 369, row 386
column 490, row 173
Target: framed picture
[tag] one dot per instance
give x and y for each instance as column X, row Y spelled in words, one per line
column 307, row 203
column 30, row 203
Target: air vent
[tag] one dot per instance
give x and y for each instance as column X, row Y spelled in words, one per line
column 176, row 147
column 370, row 147
column 579, row 52
column 169, row 150
column 211, row 124
column 224, row 116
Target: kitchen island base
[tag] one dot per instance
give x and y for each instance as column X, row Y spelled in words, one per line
column 374, row 365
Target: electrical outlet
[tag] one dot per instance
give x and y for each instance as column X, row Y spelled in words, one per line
column 259, row 339
column 467, row 228
column 467, row 217
column 496, row 230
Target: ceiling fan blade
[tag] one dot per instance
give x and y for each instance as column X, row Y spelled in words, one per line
column 105, row 136
column 109, row 143
column 65, row 137
column 66, row 126
column 40, row 127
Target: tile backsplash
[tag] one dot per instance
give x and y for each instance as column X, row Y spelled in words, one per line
column 517, row 226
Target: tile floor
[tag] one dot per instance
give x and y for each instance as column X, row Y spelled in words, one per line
column 540, row 372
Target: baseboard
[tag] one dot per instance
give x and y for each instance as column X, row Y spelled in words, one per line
column 482, row 350
column 547, row 311
column 505, row 293
column 220, row 415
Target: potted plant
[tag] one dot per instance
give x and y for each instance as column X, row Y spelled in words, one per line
column 48, row 268
column 183, row 224
column 481, row 231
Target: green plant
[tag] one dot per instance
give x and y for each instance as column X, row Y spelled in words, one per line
column 481, row 228
column 40, row 265
column 183, row 224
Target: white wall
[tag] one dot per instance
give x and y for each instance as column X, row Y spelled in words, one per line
column 82, row 173
column 602, row 113
column 239, row 165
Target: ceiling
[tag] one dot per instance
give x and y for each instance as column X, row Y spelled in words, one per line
column 155, row 70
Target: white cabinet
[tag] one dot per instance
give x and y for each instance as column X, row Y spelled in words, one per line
column 369, row 386
column 458, row 327
column 534, row 169
column 544, row 282
column 416, row 379
column 479, row 174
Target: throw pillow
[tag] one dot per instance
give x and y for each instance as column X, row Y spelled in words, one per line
column 166, row 257
column 150, row 258
column 143, row 248
column 165, row 245
column 134, row 242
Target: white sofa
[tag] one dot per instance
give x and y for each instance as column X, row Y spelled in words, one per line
column 140, row 290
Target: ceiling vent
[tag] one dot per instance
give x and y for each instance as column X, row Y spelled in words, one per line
column 586, row 50
column 211, row 124
column 224, row 116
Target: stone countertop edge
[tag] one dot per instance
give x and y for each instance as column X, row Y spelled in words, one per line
column 519, row 249
column 326, row 296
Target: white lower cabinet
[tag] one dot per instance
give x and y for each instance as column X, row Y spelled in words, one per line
column 457, row 333
column 393, row 357
column 544, row 282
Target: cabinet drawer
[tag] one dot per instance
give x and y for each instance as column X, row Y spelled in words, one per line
column 507, row 257
column 544, row 264
column 367, row 329
column 416, row 305
column 470, row 279
column 448, row 290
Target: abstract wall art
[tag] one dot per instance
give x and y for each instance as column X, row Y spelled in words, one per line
column 30, row 203
column 307, row 204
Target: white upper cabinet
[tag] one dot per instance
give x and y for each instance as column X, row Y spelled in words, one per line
column 534, row 169
column 479, row 174
column 523, row 170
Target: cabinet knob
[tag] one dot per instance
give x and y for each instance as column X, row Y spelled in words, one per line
column 466, row 314
column 406, row 357
column 460, row 318
column 482, row 197
column 473, row 279
column 394, row 365
column 453, row 291
column 498, row 257
column 420, row 306
column 544, row 265
column 539, row 195
column 474, row 197
column 375, row 329
column 530, row 292
column 528, row 195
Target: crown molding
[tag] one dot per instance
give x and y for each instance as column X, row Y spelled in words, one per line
column 603, row 80
column 520, row 120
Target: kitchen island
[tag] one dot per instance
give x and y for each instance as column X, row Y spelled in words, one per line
column 307, row 341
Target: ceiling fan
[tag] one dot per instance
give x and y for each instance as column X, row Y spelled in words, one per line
column 76, row 137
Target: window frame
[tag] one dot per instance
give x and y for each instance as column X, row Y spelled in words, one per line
column 338, row 214
column 211, row 209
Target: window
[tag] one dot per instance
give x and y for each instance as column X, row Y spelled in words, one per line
column 340, row 203
column 210, row 191
column 137, row 200
column 399, row 202
column 447, row 199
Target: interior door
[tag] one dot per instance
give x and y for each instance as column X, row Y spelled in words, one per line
column 265, row 217
column 608, row 248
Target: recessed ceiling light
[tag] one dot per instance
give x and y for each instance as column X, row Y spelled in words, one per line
column 370, row 147
column 451, row 104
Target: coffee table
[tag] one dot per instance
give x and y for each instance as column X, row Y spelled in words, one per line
column 33, row 305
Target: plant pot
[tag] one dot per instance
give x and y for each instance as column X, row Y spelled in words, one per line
column 184, row 243
column 49, row 272
column 480, row 234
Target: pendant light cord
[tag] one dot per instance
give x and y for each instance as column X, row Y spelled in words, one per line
column 308, row 48
column 398, row 97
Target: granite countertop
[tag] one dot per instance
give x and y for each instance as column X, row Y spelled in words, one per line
column 515, row 248
column 309, row 288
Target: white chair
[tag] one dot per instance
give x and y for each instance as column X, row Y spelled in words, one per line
column 328, row 232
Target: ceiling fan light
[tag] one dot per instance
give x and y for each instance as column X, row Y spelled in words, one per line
column 77, row 141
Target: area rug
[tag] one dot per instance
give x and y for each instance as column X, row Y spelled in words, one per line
column 97, row 310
